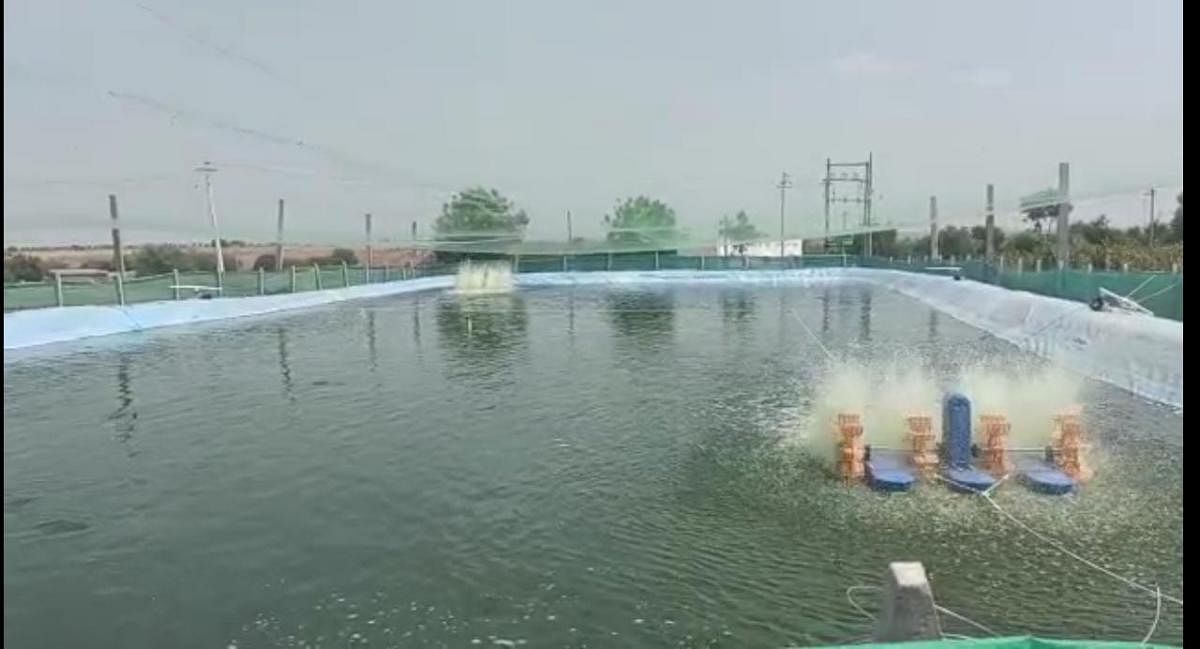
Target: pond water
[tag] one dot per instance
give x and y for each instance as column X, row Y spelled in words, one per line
column 559, row 467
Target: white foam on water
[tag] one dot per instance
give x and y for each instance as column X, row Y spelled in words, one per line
column 483, row 278
column 1030, row 396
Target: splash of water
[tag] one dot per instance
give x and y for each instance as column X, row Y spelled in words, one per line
column 488, row 277
column 1029, row 396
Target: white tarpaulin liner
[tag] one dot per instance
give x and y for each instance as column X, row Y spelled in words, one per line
column 1139, row 353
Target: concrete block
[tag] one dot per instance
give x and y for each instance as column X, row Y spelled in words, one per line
column 907, row 611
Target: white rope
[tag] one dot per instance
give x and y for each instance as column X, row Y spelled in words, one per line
column 1146, row 281
column 1157, row 613
column 813, row 335
column 860, row 609
column 1142, row 300
column 963, row 618
column 1061, row 548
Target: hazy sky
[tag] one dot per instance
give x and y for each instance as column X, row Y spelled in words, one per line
column 387, row 107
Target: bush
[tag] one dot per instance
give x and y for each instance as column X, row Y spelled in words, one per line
column 98, row 264
column 23, row 268
column 156, row 260
column 160, row 259
column 265, row 262
column 345, row 255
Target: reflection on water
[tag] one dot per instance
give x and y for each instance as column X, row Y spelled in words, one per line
column 372, row 352
column 124, row 418
column 737, row 307
column 642, row 316
column 481, row 327
column 825, row 313
column 285, row 366
column 864, row 316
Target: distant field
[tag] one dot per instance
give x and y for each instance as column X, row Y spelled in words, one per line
column 245, row 255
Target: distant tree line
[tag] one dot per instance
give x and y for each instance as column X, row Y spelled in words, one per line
column 158, row 259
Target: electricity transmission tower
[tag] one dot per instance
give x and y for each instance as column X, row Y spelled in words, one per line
column 858, row 177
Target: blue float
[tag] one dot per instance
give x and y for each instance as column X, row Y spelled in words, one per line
column 1043, row 477
column 889, row 471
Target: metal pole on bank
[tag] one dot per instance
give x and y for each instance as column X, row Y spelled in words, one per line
column 118, row 251
column 370, row 257
column 208, row 170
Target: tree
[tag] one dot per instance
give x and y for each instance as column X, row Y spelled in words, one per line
column 1096, row 232
column 1177, row 222
column 343, row 256
column 1040, row 207
column 23, row 268
column 265, row 262
column 163, row 258
column 738, row 231
column 955, row 241
column 159, row 259
column 478, row 213
column 1026, row 244
column 641, row 220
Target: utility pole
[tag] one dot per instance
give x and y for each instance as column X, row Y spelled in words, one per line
column 118, row 252
column 370, row 256
column 1064, row 211
column 279, row 239
column 1152, row 192
column 208, row 170
column 934, row 255
column 784, row 184
column 828, row 173
column 989, row 224
column 867, row 190
column 570, row 236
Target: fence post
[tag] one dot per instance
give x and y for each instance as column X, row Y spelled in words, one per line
column 564, row 263
column 1107, row 261
column 1020, row 265
column 745, row 262
column 292, row 285
column 120, row 289
column 317, row 275
column 516, row 263
column 345, row 275
column 656, row 260
column 701, row 262
column 385, row 273
column 1002, row 263
column 1125, row 267
column 1089, row 267
column 1174, row 268
column 262, row 281
column 1037, row 265
column 608, row 264
column 175, row 282
column 58, row 291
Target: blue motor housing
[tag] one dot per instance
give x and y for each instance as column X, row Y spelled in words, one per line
column 956, row 431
